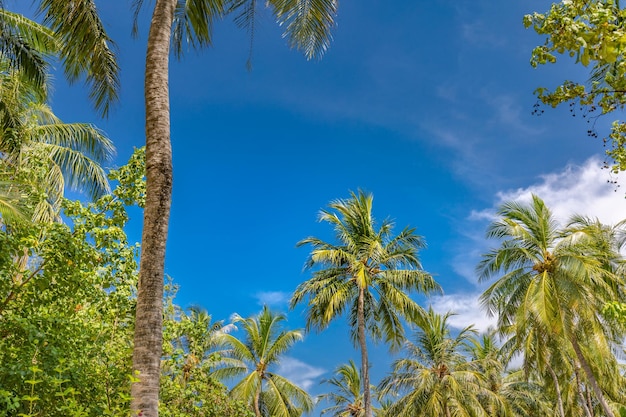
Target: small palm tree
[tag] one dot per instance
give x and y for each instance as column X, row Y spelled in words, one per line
column 253, row 360
column 348, row 392
column 510, row 393
column 553, row 283
column 367, row 273
column 435, row 378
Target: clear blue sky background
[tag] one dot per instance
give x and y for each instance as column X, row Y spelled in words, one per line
column 425, row 104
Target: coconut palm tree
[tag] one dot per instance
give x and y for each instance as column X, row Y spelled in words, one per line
column 307, row 26
column 348, row 392
column 31, row 134
column 510, row 393
column 553, row 283
column 435, row 378
column 367, row 273
column 254, row 360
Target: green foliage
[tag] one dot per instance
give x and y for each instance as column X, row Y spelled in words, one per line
column 67, row 308
column 187, row 388
column 552, row 285
column 593, row 33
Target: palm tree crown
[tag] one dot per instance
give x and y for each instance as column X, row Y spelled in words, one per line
column 347, row 397
column 268, row 393
column 58, row 154
column 436, row 378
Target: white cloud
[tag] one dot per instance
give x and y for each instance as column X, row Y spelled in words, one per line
column 272, row 298
column 467, row 311
column 578, row 189
column 302, row 374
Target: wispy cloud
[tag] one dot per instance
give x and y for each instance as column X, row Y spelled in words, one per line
column 479, row 34
column 301, row 373
column 273, row 298
column 507, row 113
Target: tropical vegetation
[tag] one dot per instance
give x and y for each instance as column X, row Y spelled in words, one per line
column 367, row 272
column 86, row 330
column 253, row 362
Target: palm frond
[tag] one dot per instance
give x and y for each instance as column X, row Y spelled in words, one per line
column 86, row 49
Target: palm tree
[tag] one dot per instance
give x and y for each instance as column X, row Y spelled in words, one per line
column 348, row 395
column 554, row 283
column 307, row 24
column 52, row 153
column 268, row 393
column 367, row 272
column 510, row 393
column 436, row 379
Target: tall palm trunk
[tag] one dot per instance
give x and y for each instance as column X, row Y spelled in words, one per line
column 148, row 325
column 364, row 360
column 592, row 379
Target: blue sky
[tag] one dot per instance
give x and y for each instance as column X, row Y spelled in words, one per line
column 425, row 104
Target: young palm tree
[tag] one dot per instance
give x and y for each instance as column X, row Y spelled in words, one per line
column 554, row 283
column 367, row 272
column 348, row 395
column 436, row 379
column 307, row 26
column 268, row 393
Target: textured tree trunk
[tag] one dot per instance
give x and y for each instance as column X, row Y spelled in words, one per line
column 148, row 338
column 557, row 388
column 364, row 360
column 592, row 379
column 579, row 388
column 257, row 405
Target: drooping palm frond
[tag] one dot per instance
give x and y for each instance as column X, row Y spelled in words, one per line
column 193, row 23
column 86, row 49
column 13, row 203
column 26, row 45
